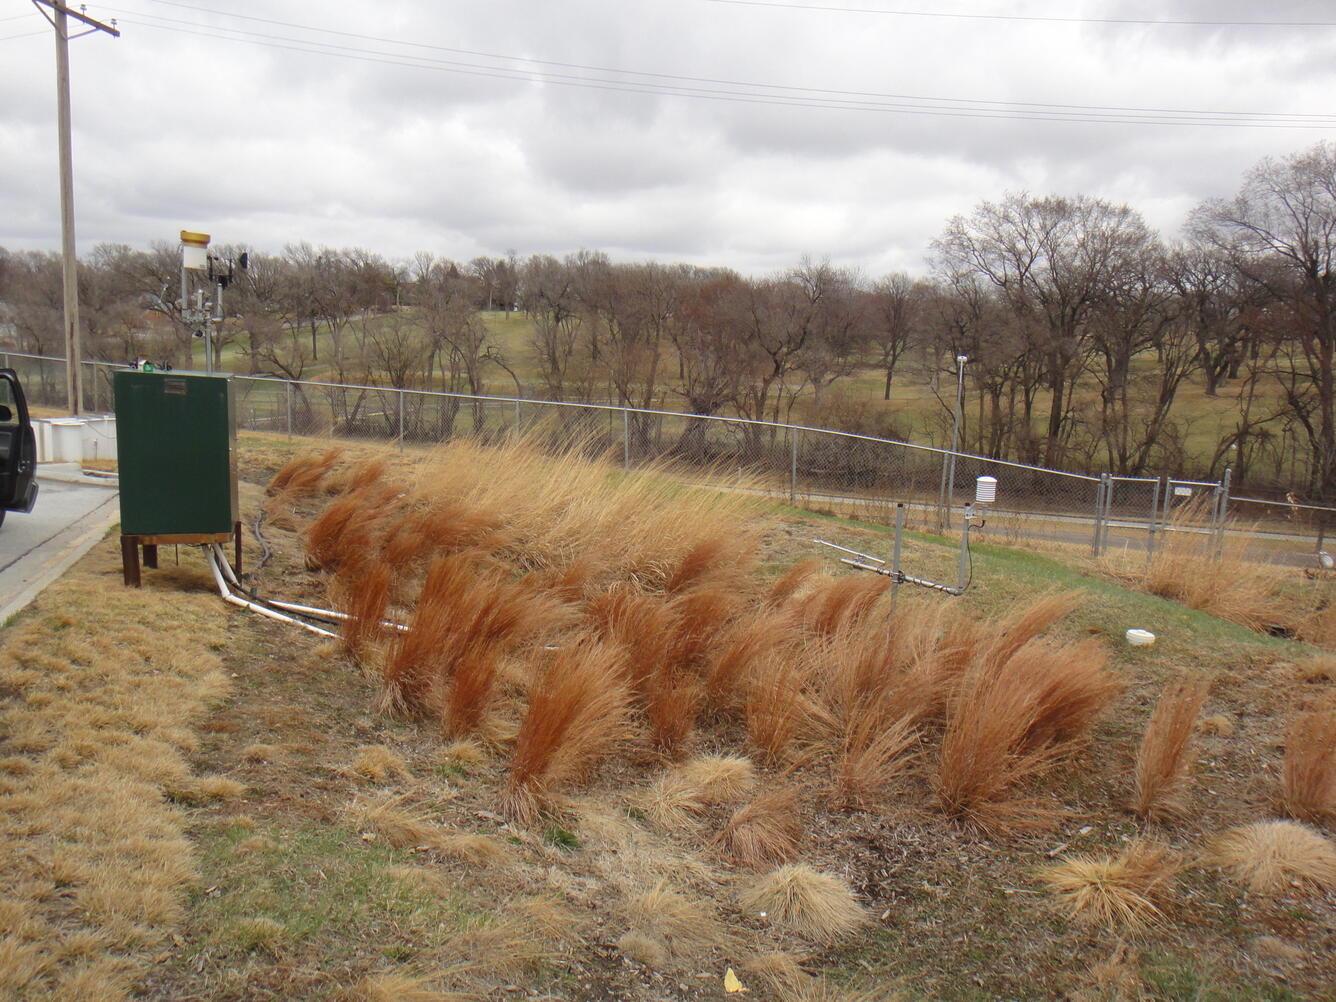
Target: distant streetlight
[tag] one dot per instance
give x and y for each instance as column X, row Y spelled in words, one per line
column 949, row 460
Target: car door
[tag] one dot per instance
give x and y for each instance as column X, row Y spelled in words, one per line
column 18, row 448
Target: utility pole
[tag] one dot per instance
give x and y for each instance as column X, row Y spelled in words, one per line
column 73, row 383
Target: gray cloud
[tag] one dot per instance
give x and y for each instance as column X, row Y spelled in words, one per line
column 261, row 144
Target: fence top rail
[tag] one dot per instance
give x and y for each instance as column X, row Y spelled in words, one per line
column 1283, row 504
column 1009, row 464
column 724, row 418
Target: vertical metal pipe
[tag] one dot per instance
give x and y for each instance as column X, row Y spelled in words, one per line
column 517, row 417
column 1154, row 516
column 1224, row 510
column 1099, row 516
column 401, row 420
column 289, row 395
column 793, row 465
column 895, row 553
column 963, row 567
column 626, row 438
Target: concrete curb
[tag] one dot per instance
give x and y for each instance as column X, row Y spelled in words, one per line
column 70, row 544
column 72, row 473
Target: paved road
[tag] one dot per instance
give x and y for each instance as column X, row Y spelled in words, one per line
column 36, row 549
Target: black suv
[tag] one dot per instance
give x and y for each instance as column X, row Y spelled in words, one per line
column 18, row 448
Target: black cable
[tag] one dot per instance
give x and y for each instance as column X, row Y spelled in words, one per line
column 265, row 551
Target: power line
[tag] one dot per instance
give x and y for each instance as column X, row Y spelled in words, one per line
column 1166, row 22
column 26, row 34
column 726, row 90
column 784, row 88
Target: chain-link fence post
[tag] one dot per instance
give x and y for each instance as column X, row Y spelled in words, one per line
column 289, row 407
column 401, row 420
column 793, row 466
column 1154, row 524
column 1221, row 512
column 626, row 438
column 1102, row 490
column 517, row 417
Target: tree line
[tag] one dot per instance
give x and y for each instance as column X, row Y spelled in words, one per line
column 1082, row 327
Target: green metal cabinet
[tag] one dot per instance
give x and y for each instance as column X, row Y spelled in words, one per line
column 176, row 445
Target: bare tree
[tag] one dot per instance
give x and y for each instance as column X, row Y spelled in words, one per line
column 1053, row 261
column 1280, row 231
column 894, row 311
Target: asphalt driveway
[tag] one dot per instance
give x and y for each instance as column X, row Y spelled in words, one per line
column 71, row 515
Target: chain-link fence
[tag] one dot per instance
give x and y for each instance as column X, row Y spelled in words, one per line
column 854, row 475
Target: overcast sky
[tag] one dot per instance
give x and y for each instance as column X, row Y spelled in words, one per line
column 452, row 126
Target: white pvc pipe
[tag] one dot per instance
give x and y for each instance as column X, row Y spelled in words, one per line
column 254, row 607
column 227, row 567
column 290, row 606
column 333, row 614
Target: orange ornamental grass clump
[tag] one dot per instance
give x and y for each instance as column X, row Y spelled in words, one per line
column 739, row 650
column 362, row 591
column 841, row 601
column 1310, row 766
column 765, row 832
column 1164, row 757
column 302, row 474
column 579, row 711
column 775, row 706
column 1010, row 722
column 345, row 530
column 468, row 616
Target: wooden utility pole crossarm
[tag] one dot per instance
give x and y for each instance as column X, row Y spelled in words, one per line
column 73, row 387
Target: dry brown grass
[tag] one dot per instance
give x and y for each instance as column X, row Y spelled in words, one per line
column 686, row 927
column 779, row 972
column 395, row 987
column 644, row 626
column 578, row 712
column 1318, row 668
column 840, row 602
column 775, row 708
column 378, row 763
column 562, row 504
column 97, row 722
column 1309, row 790
column 678, row 798
column 1276, row 858
column 1126, row 891
column 816, row 906
column 397, row 821
column 363, row 592
column 300, row 477
column 1164, row 757
column 874, row 754
column 1010, row 722
column 725, row 561
column 741, row 649
column 345, row 532
column 766, row 832
column 1226, row 584
column 468, row 616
